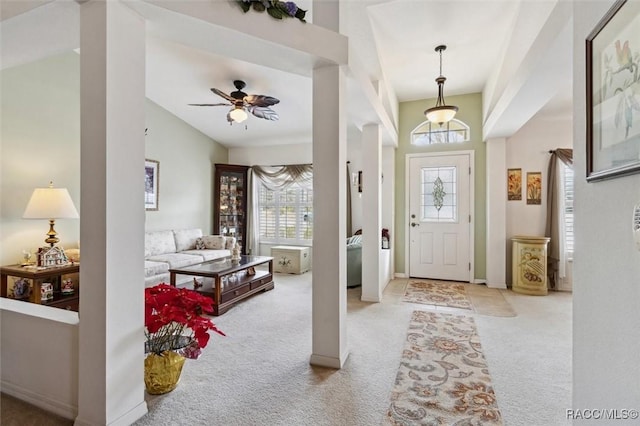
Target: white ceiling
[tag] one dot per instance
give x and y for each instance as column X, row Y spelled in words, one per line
column 393, row 40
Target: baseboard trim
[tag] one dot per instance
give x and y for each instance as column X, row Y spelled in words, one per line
column 126, row 419
column 477, row 281
column 400, row 275
column 498, row 285
column 60, row 408
column 326, row 361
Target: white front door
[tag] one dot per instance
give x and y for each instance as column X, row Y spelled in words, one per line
column 439, row 216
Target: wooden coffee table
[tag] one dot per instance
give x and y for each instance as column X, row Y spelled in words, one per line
column 228, row 282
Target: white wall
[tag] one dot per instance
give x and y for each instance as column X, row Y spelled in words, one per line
column 606, row 318
column 528, row 150
column 276, row 155
column 186, row 177
column 40, row 368
column 40, row 142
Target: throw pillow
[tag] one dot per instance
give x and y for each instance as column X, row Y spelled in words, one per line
column 231, row 243
column 214, row 242
column 200, row 245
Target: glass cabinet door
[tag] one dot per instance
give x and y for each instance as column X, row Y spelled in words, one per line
column 230, row 208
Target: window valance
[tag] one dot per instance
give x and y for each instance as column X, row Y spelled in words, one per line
column 280, row 177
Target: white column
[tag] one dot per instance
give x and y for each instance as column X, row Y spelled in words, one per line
column 371, row 204
column 496, row 213
column 329, row 223
column 111, row 335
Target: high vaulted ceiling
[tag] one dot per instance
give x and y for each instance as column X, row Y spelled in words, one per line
column 494, row 47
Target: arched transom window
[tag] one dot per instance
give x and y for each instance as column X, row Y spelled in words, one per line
column 428, row 133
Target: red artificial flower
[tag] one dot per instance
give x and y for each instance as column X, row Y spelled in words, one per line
column 171, row 312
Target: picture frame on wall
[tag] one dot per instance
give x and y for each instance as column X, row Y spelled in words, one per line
column 514, row 184
column 151, row 184
column 613, row 93
column 534, row 188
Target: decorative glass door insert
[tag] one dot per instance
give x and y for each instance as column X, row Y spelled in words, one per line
column 439, row 194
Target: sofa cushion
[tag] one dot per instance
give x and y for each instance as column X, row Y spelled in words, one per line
column 177, row 260
column 158, row 242
column 209, row 254
column 356, row 239
column 155, row 268
column 214, row 242
column 186, row 238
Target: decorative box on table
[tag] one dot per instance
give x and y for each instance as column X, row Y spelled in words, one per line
column 291, row 259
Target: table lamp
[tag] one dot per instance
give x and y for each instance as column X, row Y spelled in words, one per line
column 50, row 203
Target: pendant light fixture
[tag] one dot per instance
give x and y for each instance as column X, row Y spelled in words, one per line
column 441, row 113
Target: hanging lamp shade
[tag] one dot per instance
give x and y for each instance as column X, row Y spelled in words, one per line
column 238, row 115
column 441, row 112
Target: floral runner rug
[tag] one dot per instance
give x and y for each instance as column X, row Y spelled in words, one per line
column 437, row 293
column 443, row 377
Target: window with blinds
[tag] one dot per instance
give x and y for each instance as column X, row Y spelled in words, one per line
column 286, row 216
column 568, row 210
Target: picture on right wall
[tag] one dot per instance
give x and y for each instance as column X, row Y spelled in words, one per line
column 534, row 188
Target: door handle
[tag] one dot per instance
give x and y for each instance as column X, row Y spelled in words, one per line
column 413, row 224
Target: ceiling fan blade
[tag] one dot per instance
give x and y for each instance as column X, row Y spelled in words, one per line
column 210, row 104
column 260, row 100
column 221, row 93
column 264, row 112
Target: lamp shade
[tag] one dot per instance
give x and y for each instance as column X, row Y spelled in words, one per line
column 238, row 115
column 441, row 114
column 50, row 203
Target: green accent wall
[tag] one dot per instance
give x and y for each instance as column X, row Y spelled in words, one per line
column 411, row 115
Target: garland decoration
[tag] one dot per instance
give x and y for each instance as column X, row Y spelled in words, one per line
column 276, row 8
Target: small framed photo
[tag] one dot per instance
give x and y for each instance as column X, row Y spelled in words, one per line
column 534, row 188
column 251, row 270
column 514, row 184
column 613, row 84
column 151, row 184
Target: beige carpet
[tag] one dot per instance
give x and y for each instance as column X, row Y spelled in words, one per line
column 479, row 298
column 443, row 377
column 260, row 374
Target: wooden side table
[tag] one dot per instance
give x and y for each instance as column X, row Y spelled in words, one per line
column 26, row 284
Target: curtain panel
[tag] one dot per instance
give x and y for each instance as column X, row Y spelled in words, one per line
column 554, row 229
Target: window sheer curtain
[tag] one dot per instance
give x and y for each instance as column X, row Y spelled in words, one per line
column 275, row 178
column 554, row 229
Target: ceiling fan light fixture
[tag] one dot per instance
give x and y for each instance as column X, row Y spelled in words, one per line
column 238, row 115
column 441, row 112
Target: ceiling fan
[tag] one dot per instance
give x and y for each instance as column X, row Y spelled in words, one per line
column 258, row 105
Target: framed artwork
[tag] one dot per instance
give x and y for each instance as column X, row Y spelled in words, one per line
column 613, row 93
column 151, row 184
column 534, row 188
column 514, row 184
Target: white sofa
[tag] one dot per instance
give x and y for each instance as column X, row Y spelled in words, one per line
column 169, row 249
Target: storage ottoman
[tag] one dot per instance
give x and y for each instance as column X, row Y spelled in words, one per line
column 291, row 259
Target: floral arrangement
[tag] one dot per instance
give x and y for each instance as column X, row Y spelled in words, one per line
column 171, row 313
column 276, row 8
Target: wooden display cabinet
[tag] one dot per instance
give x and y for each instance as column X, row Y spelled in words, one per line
column 26, row 283
column 230, row 202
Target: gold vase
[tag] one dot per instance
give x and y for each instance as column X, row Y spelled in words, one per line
column 162, row 372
